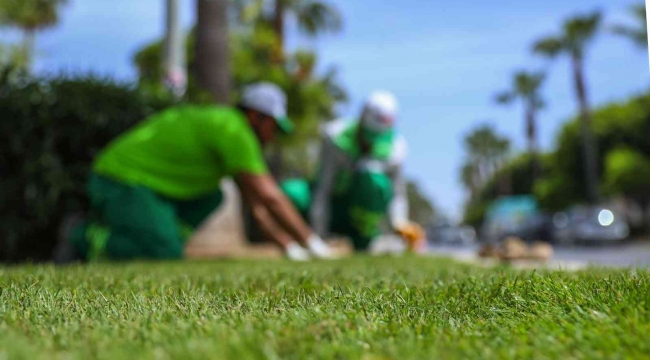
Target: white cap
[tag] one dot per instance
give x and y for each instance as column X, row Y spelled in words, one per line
column 379, row 112
column 270, row 100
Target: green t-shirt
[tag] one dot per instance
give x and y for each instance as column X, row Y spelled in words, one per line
column 184, row 152
column 381, row 144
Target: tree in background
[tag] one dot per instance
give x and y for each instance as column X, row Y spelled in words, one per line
column 577, row 34
column 628, row 172
column 313, row 17
column 29, row 16
column 469, row 178
column 486, row 153
column 526, row 88
column 51, row 130
column 421, row 210
column 637, row 32
column 622, row 125
column 13, row 56
column 175, row 72
column 313, row 95
column 212, row 56
column 516, row 174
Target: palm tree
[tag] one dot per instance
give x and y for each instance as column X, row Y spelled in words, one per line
column 30, row 16
column 175, row 75
column 525, row 88
column 577, row 34
column 487, row 152
column 421, row 209
column 313, row 17
column 212, row 65
column 638, row 32
column 469, row 178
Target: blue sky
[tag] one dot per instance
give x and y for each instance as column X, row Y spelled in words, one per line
column 443, row 59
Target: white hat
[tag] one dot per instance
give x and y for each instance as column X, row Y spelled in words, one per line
column 270, row 100
column 379, row 112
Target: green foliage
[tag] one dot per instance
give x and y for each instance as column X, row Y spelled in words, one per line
column 557, row 192
column 13, row 56
column 30, row 15
column 577, row 33
column 616, row 126
column 637, row 32
column 517, row 174
column 421, row 209
column 628, row 172
column 313, row 17
column 360, row 308
column 50, row 131
column 621, row 130
column 514, row 178
column 486, row 152
column 483, row 142
column 474, row 212
column 486, row 155
column 312, row 97
column 525, row 86
column 565, row 183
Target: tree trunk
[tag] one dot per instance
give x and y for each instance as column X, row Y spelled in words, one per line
column 505, row 184
column 589, row 142
column 29, row 46
column 212, row 55
column 531, row 135
column 278, row 26
column 175, row 74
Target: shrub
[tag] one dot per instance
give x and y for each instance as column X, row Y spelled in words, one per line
column 50, row 130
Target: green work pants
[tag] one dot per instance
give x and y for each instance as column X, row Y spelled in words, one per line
column 133, row 222
column 357, row 212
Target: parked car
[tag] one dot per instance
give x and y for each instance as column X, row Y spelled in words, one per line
column 516, row 216
column 589, row 225
column 445, row 233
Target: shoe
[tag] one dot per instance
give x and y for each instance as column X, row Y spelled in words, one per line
column 296, row 252
column 319, row 248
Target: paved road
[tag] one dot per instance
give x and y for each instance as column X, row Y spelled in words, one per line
column 635, row 254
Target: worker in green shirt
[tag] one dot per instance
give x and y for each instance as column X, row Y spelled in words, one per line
column 152, row 186
column 361, row 179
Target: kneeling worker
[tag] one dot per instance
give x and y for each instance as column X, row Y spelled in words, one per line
column 360, row 179
column 152, row 186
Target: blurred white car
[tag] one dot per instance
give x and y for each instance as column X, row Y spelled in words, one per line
column 589, row 224
column 446, row 233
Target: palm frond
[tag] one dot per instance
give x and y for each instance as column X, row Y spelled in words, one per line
column 504, row 98
column 638, row 32
column 581, row 29
column 549, row 47
column 315, row 17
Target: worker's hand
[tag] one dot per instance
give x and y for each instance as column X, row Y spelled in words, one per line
column 414, row 236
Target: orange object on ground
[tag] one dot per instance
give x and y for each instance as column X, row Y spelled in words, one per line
column 414, row 236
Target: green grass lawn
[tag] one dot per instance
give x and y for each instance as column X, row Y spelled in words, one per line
column 368, row 308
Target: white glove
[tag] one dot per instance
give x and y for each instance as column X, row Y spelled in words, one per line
column 319, row 248
column 295, row 252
